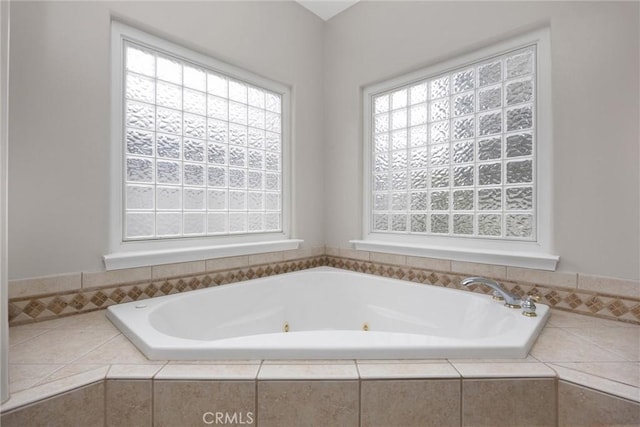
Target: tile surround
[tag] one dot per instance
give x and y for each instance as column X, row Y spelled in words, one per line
column 178, row 270
column 308, row 403
column 597, row 304
column 419, row 403
column 82, row 407
column 44, row 285
column 183, row 403
column 605, row 385
column 234, row 371
column 503, row 370
column 559, row 290
column 406, row 369
column 491, row 402
column 581, row 406
column 555, row 289
column 412, row 379
column 309, row 371
column 128, row 403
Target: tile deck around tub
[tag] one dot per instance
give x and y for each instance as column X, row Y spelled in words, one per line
column 51, row 357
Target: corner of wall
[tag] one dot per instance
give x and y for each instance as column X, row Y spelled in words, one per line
column 4, row 94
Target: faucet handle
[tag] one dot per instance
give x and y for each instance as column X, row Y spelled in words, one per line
column 528, row 307
column 534, row 296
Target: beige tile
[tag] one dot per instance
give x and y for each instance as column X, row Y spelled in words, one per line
column 565, row 319
column 558, row 345
column 227, row 263
column 71, row 370
column 84, row 406
column 132, row 372
column 317, row 250
column 128, row 403
column 117, row 351
column 115, row 277
column 541, row 277
column 406, row 370
column 504, row 370
column 44, row 391
column 216, row 362
column 354, row 254
column 399, row 361
column 59, row 346
column 330, row 251
column 307, row 362
column 178, row 269
column 19, row 334
column 22, row 377
column 410, row 403
column 307, row 403
column 623, row 372
column 622, row 341
column 265, row 258
column 297, row 254
column 429, row 263
column 95, row 320
column 475, row 269
column 308, row 371
column 184, row 403
column 208, row 372
column 609, row 285
column 385, row 258
column 44, row 285
column 604, row 385
column 509, row 403
column 528, row 359
column 579, row 406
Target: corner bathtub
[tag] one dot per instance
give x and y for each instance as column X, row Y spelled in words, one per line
column 322, row 313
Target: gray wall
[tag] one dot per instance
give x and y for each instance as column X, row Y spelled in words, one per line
column 595, row 55
column 59, row 113
column 59, row 117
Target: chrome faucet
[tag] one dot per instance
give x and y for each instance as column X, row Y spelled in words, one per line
column 510, row 300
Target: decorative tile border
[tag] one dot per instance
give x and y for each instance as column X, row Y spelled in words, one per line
column 48, row 306
column 602, row 305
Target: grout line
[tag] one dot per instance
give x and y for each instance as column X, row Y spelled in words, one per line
column 589, row 373
column 359, row 399
column 44, row 379
column 461, row 401
column 594, row 344
column 153, row 399
column 104, row 398
column 255, row 399
column 94, row 348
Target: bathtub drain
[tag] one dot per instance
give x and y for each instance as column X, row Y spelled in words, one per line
column 285, row 327
column 365, row 326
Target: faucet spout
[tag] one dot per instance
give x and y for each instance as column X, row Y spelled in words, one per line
column 510, row 300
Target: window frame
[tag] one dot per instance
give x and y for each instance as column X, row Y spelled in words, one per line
column 532, row 254
column 141, row 252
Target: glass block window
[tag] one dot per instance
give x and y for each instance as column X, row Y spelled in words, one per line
column 202, row 150
column 454, row 154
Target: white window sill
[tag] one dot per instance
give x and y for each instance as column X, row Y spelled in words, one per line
column 539, row 261
column 120, row 260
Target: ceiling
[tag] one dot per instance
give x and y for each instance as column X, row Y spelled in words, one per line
column 327, row 9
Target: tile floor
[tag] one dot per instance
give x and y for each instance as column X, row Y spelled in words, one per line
column 52, row 357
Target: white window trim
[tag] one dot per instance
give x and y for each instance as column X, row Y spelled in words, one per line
column 538, row 254
column 127, row 254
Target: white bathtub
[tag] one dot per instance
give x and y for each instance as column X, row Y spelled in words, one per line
column 326, row 311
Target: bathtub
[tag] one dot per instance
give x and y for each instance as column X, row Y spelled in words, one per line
column 326, row 313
